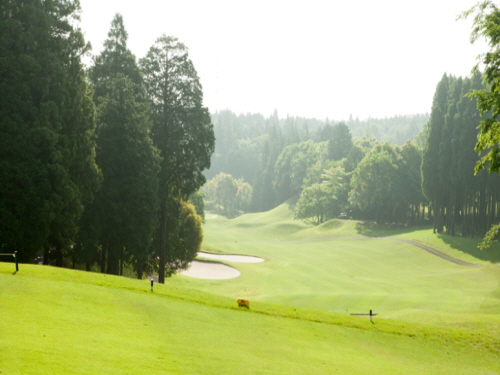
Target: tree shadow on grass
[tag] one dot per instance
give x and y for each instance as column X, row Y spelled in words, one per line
column 372, row 229
column 469, row 246
column 462, row 244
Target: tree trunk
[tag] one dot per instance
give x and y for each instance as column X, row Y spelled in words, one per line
column 162, row 244
column 59, row 256
column 103, row 259
column 45, row 256
column 113, row 263
column 139, row 270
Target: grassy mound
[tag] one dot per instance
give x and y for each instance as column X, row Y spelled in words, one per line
column 57, row 321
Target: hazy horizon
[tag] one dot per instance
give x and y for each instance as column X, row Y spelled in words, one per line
column 324, row 60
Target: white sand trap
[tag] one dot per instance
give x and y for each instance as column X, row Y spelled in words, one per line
column 231, row 258
column 212, row 271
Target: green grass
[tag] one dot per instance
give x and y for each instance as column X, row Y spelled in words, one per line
column 57, row 321
column 462, row 248
column 336, row 267
column 435, row 317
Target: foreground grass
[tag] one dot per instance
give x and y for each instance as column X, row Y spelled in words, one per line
column 58, row 321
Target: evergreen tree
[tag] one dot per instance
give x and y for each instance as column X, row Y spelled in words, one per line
column 48, row 169
column 431, row 170
column 181, row 130
column 463, row 203
column 125, row 207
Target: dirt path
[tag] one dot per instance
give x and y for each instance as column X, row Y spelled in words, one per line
column 432, row 251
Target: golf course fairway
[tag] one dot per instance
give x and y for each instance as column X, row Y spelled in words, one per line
column 434, row 316
column 58, row 321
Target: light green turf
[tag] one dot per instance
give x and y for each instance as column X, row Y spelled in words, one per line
column 336, row 267
column 57, row 321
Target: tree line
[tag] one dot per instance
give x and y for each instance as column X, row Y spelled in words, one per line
column 428, row 179
column 97, row 166
column 341, row 176
column 240, row 137
column 463, row 202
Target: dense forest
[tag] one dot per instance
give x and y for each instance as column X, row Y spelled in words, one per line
column 239, row 138
column 324, row 172
column 97, row 166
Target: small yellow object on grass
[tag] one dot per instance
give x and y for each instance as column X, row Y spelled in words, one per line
column 243, row 303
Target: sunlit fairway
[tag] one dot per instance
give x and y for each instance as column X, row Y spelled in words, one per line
column 435, row 317
column 341, row 267
column 57, row 321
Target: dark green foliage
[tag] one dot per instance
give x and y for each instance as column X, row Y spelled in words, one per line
column 184, row 236
column 48, row 171
column 197, row 199
column 386, row 184
column 182, row 131
column 115, row 59
column 374, row 185
column 120, row 222
column 431, row 169
column 291, row 168
column 462, row 203
column 326, row 200
column 486, row 25
column 127, row 203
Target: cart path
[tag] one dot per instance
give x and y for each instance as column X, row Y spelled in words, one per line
column 432, row 251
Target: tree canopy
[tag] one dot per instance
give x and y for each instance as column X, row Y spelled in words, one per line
column 125, row 209
column 47, row 151
column 182, row 131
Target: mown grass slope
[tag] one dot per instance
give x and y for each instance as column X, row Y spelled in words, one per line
column 345, row 267
column 57, row 321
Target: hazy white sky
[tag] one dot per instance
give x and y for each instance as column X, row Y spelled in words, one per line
column 313, row 58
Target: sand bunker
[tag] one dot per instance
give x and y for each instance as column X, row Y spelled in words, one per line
column 211, row 271
column 231, row 258
column 217, row 271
